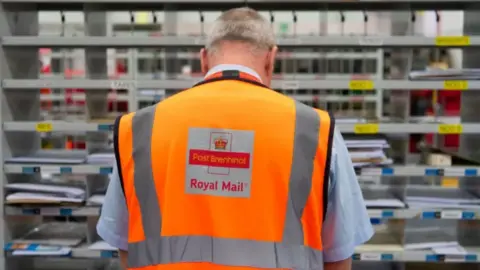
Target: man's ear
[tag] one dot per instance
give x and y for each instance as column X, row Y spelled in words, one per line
column 271, row 61
column 204, row 61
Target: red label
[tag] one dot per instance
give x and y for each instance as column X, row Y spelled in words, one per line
column 236, row 160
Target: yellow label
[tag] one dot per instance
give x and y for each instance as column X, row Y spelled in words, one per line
column 44, row 127
column 452, row 41
column 361, row 85
column 450, row 129
column 142, row 17
column 455, row 85
column 450, row 182
column 366, row 128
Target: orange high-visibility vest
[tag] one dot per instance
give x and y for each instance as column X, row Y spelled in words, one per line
column 227, row 175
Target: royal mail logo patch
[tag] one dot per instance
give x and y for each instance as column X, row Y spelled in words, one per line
column 220, row 143
column 219, row 162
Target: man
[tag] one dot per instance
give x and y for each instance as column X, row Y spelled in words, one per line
column 232, row 175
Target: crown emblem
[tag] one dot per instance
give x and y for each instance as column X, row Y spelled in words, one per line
column 220, row 143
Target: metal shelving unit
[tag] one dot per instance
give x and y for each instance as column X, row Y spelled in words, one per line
column 257, row 4
column 288, row 84
column 23, row 126
column 198, row 41
column 361, row 128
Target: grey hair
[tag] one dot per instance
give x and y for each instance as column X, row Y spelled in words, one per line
column 242, row 25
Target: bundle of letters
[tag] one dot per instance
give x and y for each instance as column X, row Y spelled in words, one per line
column 105, row 156
column 366, row 152
column 49, row 239
column 440, row 198
column 51, row 157
column 27, row 193
column 445, row 74
column 438, row 239
column 380, row 198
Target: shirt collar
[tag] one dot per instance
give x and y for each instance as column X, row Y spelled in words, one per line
column 240, row 68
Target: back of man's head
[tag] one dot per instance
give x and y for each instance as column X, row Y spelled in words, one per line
column 241, row 36
column 241, row 25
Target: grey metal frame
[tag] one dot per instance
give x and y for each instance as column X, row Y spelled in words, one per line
column 198, row 41
column 257, row 4
column 17, row 105
column 20, row 101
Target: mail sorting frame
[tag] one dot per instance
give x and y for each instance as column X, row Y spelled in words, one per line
column 13, row 142
column 214, row 5
column 367, row 102
column 135, row 58
column 24, row 143
column 16, row 94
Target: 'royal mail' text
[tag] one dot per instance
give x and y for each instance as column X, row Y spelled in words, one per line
column 217, row 185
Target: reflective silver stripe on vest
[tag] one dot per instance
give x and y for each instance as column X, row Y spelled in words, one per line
column 142, row 125
column 307, row 126
column 291, row 253
column 231, row 252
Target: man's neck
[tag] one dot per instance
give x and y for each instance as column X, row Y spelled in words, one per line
column 241, row 57
column 241, row 68
column 259, row 71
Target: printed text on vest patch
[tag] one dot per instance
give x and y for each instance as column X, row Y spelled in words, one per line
column 219, row 159
column 214, row 186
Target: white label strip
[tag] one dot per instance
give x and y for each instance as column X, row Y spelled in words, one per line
column 451, row 214
column 455, row 258
column 290, row 85
column 370, row 256
column 375, row 213
column 370, row 41
column 50, row 211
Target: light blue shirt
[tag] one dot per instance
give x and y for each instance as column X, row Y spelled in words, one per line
column 346, row 225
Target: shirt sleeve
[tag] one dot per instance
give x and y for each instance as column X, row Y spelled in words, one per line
column 112, row 226
column 347, row 224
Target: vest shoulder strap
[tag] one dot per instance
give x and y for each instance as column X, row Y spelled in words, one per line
column 327, row 118
column 123, row 129
column 116, row 128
